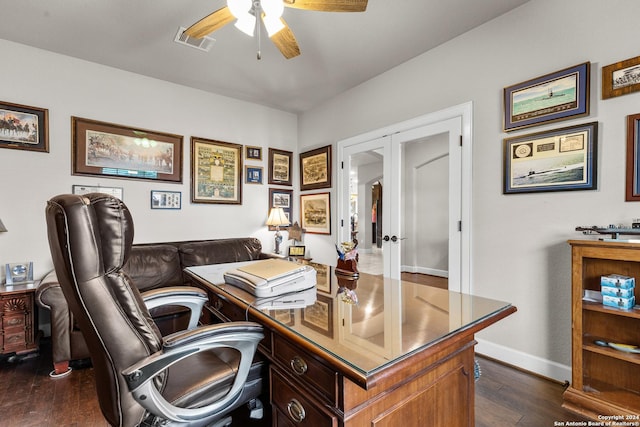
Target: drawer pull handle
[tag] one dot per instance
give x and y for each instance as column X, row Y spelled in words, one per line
column 298, row 365
column 296, row 411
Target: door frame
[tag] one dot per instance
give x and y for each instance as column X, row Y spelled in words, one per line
column 465, row 113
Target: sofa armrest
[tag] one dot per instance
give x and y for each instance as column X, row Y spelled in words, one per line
column 49, row 295
column 185, row 296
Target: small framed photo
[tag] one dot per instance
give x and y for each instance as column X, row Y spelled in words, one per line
column 280, row 166
column 560, row 95
column 557, row 160
column 253, row 153
column 166, row 199
column 216, row 171
column 279, row 198
column 621, row 78
column 19, row 273
column 296, row 251
column 253, row 174
column 23, row 127
column 316, row 213
column 86, row 189
column 315, row 169
column 633, row 159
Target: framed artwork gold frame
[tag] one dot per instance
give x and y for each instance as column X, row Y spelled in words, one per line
column 315, row 213
column 216, row 171
column 621, row 78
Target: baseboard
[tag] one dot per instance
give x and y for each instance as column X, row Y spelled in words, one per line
column 424, row 270
column 535, row 364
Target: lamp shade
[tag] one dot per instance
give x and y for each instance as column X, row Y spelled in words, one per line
column 2, row 227
column 277, row 217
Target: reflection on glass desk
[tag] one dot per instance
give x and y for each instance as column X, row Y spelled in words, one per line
column 391, row 319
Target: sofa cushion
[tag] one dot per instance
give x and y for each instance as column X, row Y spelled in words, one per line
column 152, row 266
column 219, row 251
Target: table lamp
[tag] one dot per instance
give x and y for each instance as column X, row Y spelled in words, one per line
column 277, row 218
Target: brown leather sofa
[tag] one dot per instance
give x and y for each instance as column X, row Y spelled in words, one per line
column 151, row 266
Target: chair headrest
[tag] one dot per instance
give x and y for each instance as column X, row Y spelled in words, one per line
column 103, row 229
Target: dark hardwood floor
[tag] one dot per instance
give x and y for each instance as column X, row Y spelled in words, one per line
column 505, row 397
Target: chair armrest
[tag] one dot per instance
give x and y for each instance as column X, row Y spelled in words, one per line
column 242, row 336
column 187, row 296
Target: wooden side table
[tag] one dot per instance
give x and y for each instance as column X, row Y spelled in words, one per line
column 18, row 319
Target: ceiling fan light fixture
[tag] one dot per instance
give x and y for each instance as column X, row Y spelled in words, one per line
column 272, row 25
column 239, row 8
column 246, row 24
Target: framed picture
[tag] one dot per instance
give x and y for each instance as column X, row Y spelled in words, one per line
column 253, row 175
column 19, row 273
column 315, row 169
column 23, row 127
column 253, row 153
column 117, row 151
column 319, row 316
column 86, row 189
column 549, row 98
column 621, row 78
column 323, row 277
column 557, row 160
column 296, row 251
column 166, row 199
column 216, row 171
column 633, row 159
column 279, row 198
column 316, row 213
column 280, row 166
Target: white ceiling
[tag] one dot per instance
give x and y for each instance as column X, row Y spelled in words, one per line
column 339, row 50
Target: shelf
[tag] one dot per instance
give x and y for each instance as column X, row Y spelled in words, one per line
column 609, row 392
column 633, row 313
column 588, row 345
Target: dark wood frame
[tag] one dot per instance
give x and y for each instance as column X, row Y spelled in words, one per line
column 42, row 132
column 565, row 111
column 250, row 152
column 608, row 90
column 275, row 154
column 121, row 168
column 633, row 160
column 288, row 210
column 303, row 222
column 524, row 146
column 315, row 162
column 231, row 165
column 321, row 300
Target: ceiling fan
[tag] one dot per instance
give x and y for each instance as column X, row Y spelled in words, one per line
column 245, row 13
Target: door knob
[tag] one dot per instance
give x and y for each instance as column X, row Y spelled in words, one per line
column 386, row 238
column 395, row 238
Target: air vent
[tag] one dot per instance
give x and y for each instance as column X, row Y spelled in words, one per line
column 204, row 43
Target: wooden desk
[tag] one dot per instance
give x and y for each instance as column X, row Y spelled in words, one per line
column 402, row 357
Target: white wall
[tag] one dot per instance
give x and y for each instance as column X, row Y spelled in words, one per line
column 70, row 87
column 519, row 251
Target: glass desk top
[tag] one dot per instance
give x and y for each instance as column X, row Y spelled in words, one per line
column 390, row 320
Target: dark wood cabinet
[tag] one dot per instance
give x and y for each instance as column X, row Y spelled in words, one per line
column 604, row 381
column 18, row 319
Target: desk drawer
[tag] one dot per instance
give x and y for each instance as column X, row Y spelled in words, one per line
column 310, row 372
column 293, row 408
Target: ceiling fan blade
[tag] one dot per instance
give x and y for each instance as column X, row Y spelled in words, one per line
column 328, row 5
column 210, row 23
column 286, row 42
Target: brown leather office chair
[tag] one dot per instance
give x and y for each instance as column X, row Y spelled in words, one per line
column 195, row 377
